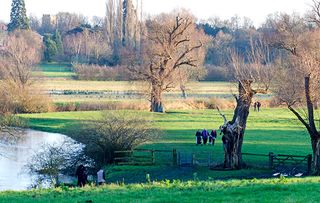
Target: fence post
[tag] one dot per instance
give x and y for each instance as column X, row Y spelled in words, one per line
column 152, row 157
column 309, row 164
column 193, row 161
column 174, row 157
column 271, row 160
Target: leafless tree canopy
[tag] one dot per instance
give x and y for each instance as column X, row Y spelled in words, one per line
column 172, row 43
column 298, row 79
column 21, row 51
column 256, row 70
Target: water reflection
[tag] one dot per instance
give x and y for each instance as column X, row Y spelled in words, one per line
column 13, row 158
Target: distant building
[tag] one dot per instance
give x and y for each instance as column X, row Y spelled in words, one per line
column 49, row 23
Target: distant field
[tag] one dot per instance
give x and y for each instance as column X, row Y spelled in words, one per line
column 55, row 70
column 269, row 190
column 60, row 84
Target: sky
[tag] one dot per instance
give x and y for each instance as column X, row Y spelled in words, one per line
column 256, row 10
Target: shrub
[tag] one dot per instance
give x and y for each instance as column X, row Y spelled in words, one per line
column 114, row 132
column 96, row 72
column 15, row 99
column 98, row 106
column 55, row 159
column 217, row 73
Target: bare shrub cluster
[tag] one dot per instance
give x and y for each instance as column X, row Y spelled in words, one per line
column 53, row 160
column 96, row 72
column 98, row 106
column 114, row 132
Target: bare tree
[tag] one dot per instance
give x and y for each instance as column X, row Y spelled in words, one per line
column 20, row 53
column 66, row 21
column 302, row 89
column 173, row 42
column 86, row 46
column 257, row 70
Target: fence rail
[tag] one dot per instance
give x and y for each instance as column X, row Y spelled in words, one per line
column 145, row 157
column 172, row 157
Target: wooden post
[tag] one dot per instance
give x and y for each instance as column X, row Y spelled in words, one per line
column 174, row 157
column 152, row 157
column 193, row 160
column 309, row 164
column 271, row 160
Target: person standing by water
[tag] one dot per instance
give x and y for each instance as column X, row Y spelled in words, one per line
column 101, row 178
column 198, row 137
column 82, row 176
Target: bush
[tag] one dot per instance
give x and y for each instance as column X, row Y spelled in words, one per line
column 114, row 132
column 29, row 99
column 96, row 72
column 217, row 73
column 56, row 159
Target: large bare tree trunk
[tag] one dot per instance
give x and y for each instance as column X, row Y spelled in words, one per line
column 233, row 131
column 315, row 142
column 156, row 99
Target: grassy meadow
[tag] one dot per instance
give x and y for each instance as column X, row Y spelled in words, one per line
column 59, row 81
column 263, row 190
column 271, row 130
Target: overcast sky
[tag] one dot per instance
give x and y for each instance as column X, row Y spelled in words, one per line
column 257, row 10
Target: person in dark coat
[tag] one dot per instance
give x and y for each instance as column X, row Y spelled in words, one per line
column 205, row 136
column 212, row 137
column 255, row 106
column 258, row 105
column 198, row 137
column 81, row 174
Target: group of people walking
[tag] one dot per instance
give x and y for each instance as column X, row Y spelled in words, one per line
column 202, row 137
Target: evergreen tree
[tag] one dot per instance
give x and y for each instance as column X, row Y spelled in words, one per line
column 18, row 16
column 58, row 40
column 51, row 49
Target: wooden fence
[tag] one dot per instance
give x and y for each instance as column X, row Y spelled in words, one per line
column 172, row 157
column 145, row 157
column 283, row 159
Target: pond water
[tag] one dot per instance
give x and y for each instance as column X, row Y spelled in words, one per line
column 13, row 158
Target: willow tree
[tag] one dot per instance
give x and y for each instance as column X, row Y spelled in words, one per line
column 173, row 43
column 256, row 70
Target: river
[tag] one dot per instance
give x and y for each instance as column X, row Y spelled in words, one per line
column 13, row 158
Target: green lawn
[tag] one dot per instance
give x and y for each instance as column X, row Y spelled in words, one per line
column 264, row 190
column 271, row 130
column 55, row 70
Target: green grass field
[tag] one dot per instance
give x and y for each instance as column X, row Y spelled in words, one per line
column 272, row 130
column 55, row 70
column 270, row 190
